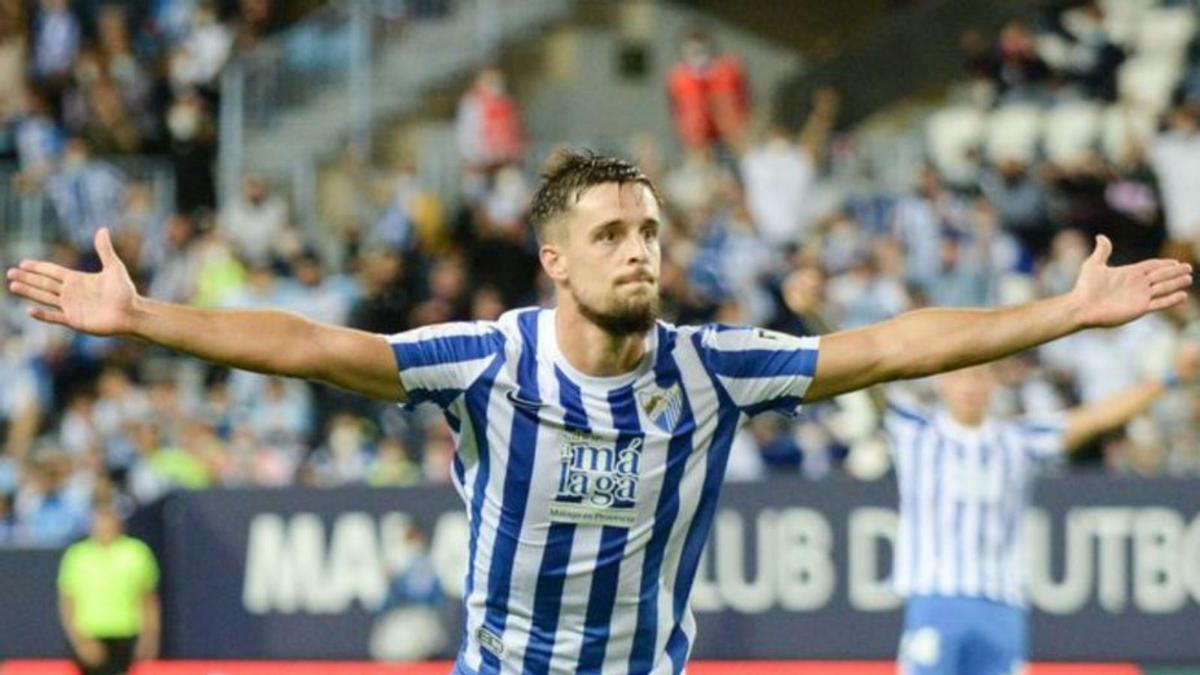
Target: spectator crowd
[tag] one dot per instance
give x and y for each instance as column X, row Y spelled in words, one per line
column 758, row 233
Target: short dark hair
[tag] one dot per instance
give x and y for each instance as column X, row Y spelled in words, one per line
column 568, row 174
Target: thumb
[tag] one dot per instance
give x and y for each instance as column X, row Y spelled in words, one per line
column 1103, row 250
column 104, row 247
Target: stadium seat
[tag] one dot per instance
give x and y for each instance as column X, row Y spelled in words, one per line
column 1012, row 133
column 1149, row 80
column 1123, row 125
column 954, row 133
column 1165, row 31
column 1071, row 130
column 1123, row 17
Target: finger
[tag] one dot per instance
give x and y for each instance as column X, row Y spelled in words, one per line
column 36, row 280
column 1170, row 285
column 36, row 294
column 1156, row 265
column 104, row 247
column 47, row 269
column 1103, row 249
column 49, row 316
column 1168, row 273
column 1167, row 301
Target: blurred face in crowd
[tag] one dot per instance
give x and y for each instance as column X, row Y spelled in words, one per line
column 604, row 253
column 106, row 524
column 967, row 393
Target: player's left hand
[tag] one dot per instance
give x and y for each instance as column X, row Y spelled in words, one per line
column 1111, row 296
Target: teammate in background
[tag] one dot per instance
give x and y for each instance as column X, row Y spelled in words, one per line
column 592, row 438
column 107, row 598
column 964, row 486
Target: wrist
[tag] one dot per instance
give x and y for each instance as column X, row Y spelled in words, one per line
column 139, row 316
column 1073, row 310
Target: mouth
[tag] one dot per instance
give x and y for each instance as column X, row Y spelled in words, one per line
column 636, row 279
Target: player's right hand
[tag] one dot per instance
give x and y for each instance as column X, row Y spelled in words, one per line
column 91, row 652
column 101, row 303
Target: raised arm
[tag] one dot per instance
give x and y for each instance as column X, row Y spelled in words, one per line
column 265, row 341
column 929, row 341
column 1089, row 421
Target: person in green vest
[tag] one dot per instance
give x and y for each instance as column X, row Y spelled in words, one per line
column 108, row 598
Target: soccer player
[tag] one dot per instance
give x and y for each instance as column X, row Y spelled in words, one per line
column 591, row 438
column 964, row 486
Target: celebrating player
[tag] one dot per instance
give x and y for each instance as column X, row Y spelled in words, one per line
column 592, row 438
column 964, row 485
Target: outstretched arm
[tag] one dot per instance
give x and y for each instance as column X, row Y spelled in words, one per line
column 265, row 341
column 929, row 341
column 1089, row 421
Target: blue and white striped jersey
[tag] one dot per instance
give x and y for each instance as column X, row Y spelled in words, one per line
column 590, row 499
column 963, row 495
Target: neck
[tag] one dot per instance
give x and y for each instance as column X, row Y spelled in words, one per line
column 969, row 421
column 592, row 350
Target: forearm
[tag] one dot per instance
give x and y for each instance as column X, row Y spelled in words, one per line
column 1086, row 422
column 151, row 622
column 264, row 341
column 929, row 341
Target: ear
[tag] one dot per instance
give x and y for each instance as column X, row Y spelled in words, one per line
column 553, row 262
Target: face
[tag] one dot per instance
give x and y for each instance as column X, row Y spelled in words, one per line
column 967, row 393
column 106, row 524
column 604, row 253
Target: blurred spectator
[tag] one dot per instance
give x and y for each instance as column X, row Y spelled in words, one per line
column 193, row 148
column 392, row 466
column 343, row 458
column 710, row 97
column 257, row 222
column 87, row 194
column 1022, row 204
column 37, row 137
column 13, row 45
column 488, row 128
column 55, row 41
column 197, row 59
column 1018, row 65
column 779, row 173
column 108, row 600
column 47, row 512
column 1175, row 155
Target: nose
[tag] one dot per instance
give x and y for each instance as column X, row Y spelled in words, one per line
column 638, row 251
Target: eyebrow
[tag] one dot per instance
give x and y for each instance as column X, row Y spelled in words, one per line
column 617, row 221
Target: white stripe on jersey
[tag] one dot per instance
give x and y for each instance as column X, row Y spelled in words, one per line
column 592, row 458
column 963, row 494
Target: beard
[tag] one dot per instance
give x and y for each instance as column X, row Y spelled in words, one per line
column 626, row 317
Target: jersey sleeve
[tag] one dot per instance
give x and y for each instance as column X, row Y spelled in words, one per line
column 1043, row 437
column 438, row 363
column 760, row 369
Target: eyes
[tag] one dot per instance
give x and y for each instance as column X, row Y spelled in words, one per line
column 613, row 232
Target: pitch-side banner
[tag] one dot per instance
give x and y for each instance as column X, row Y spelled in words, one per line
column 793, row 570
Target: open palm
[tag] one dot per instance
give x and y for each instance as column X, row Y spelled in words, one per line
column 1111, row 296
column 101, row 303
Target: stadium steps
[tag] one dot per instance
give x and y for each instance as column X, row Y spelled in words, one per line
column 445, row 48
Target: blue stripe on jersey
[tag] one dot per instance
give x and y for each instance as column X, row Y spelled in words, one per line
column 693, row 546
column 785, row 404
column 751, row 363
column 956, row 530
column 444, row 349
column 552, row 574
column 516, row 486
column 477, row 406
column 641, row 658
column 441, row 397
column 612, row 545
column 907, row 413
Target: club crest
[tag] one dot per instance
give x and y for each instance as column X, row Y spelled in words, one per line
column 664, row 407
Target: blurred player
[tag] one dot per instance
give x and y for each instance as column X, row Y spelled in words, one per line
column 964, row 485
column 592, row 438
